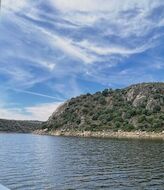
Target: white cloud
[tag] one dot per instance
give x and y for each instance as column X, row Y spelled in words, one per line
column 39, row 112
column 68, row 46
column 42, row 111
column 101, row 5
column 38, row 62
column 110, row 16
column 90, row 11
column 20, row 77
column 49, row 39
column 88, row 52
column 110, row 24
column 114, row 49
column 48, row 65
column 14, row 5
column 16, row 73
column 84, row 50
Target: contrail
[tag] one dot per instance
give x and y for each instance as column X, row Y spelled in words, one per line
column 37, row 94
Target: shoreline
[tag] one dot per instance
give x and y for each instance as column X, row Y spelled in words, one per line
column 103, row 134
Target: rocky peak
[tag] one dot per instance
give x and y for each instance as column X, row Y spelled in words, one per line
column 139, row 107
column 149, row 95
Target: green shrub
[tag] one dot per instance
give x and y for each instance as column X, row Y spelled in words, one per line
column 156, row 108
column 141, row 119
column 117, row 125
column 85, row 110
column 102, row 100
column 128, row 127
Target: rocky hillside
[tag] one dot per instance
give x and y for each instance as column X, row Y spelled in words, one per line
column 19, row 126
column 138, row 107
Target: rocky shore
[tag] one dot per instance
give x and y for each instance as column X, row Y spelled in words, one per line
column 103, row 134
column 138, row 108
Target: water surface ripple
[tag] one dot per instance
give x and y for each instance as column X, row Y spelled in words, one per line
column 31, row 162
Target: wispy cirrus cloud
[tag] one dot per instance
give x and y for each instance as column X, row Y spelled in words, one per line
column 65, row 48
column 114, row 49
column 92, row 6
column 14, row 5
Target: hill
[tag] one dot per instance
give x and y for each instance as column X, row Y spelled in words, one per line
column 19, row 126
column 139, row 107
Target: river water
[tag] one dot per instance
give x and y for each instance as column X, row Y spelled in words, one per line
column 33, row 162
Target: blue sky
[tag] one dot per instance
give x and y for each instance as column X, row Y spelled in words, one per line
column 56, row 49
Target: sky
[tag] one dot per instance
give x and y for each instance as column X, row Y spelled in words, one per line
column 53, row 50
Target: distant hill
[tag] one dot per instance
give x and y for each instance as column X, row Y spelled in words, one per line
column 19, row 126
column 138, row 107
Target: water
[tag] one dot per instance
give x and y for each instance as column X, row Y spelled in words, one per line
column 31, row 162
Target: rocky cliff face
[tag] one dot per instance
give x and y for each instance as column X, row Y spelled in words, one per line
column 149, row 95
column 138, row 107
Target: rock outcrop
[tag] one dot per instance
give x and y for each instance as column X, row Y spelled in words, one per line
column 138, row 107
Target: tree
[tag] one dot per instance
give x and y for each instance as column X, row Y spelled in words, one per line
column 105, row 92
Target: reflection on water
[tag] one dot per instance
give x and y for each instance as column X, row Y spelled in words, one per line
column 31, row 162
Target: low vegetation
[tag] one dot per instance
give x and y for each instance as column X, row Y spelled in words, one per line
column 138, row 107
column 19, row 126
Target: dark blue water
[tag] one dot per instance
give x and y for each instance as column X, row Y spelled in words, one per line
column 31, row 162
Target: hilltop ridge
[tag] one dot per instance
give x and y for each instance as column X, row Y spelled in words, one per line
column 139, row 107
column 19, row 126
